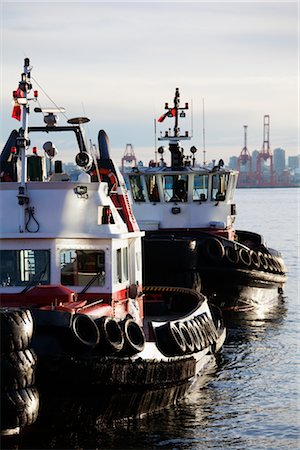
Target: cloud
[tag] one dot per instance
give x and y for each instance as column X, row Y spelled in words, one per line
column 119, row 62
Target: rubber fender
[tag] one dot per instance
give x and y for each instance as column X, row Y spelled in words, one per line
column 111, row 335
column 19, row 408
column 201, row 333
column 255, row 260
column 134, row 338
column 272, row 264
column 16, row 329
column 231, row 255
column 18, row 369
column 203, row 320
column 85, row 330
column 214, row 249
column 217, row 316
column 245, row 257
column 170, row 340
column 263, row 261
column 193, row 328
column 188, row 337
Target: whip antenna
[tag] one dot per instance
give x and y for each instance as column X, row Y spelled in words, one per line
column 203, row 123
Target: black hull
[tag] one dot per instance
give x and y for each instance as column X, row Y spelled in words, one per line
column 221, row 269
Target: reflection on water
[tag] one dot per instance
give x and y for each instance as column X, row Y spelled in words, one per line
column 237, row 405
column 251, row 399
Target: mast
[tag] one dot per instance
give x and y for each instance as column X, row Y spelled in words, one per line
column 203, row 123
column 21, row 98
column 174, row 139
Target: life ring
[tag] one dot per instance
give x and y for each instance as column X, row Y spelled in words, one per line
column 113, row 182
column 18, row 369
column 134, row 338
column 192, row 327
column 16, row 329
column 245, row 257
column 232, row 255
column 255, row 260
column 85, row 330
column 188, row 337
column 111, row 335
column 214, row 249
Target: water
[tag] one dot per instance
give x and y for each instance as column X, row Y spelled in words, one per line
column 251, row 399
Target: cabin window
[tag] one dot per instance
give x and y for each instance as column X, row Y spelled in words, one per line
column 152, row 188
column 121, row 268
column 79, row 267
column 20, row 267
column 231, row 187
column 175, row 188
column 219, row 186
column 136, row 188
column 200, row 188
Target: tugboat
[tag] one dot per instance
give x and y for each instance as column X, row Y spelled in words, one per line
column 71, row 279
column 187, row 212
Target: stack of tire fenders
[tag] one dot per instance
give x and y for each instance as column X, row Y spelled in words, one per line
column 19, row 397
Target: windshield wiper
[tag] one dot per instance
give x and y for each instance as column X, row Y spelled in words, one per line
column 92, row 280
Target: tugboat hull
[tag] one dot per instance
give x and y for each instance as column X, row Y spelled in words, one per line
column 231, row 274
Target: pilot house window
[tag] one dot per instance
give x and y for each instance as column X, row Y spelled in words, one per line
column 219, row 187
column 152, row 187
column 137, row 188
column 79, row 267
column 21, row 267
column 175, row 188
column 200, row 188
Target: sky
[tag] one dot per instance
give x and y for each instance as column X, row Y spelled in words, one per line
column 119, row 62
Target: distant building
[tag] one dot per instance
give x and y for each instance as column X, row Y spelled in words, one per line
column 279, row 160
column 233, row 163
column 255, row 153
column 294, row 162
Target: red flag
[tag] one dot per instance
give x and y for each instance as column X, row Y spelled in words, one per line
column 172, row 111
column 16, row 113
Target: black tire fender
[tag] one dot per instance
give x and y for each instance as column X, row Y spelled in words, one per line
column 85, row 330
column 18, row 369
column 201, row 332
column 193, row 328
column 232, row 255
column 19, row 408
column 16, row 329
column 134, row 338
column 245, row 257
column 111, row 335
column 214, row 249
column 263, row 261
column 255, row 260
column 188, row 337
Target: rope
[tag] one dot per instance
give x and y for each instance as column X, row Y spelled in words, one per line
column 50, row 98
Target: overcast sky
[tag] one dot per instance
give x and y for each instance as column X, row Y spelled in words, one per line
column 119, row 62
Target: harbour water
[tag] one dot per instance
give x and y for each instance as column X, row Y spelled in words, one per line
column 251, row 399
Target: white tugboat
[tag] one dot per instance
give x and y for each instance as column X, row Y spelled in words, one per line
column 188, row 213
column 71, row 273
